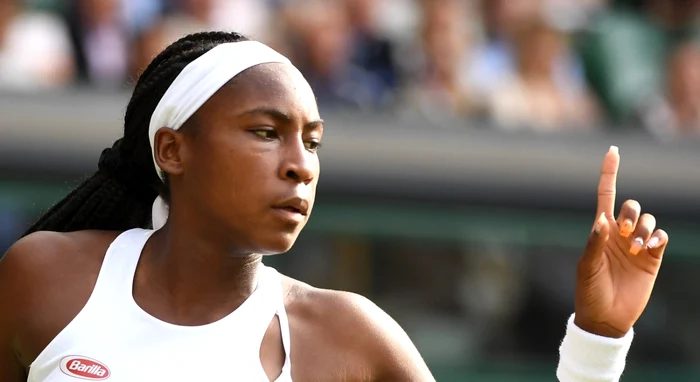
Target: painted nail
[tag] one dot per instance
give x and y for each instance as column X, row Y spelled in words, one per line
column 653, row 242
column 636, row 246
column 626, row 228
column 614, row 149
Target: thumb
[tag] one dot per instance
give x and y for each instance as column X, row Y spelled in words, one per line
column 597, row 239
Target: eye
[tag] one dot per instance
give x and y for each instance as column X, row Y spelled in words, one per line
column 266, row 133
column 312, row 145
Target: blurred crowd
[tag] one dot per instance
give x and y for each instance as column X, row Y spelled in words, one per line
column 548, row 65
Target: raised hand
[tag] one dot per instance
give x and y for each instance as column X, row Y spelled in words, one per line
column 617, row 271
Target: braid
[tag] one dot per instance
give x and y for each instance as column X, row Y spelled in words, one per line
column 120, row 194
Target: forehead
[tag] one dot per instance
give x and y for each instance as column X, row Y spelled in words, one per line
column 273, row 85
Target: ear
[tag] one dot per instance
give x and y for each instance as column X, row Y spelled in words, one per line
column 167, row 149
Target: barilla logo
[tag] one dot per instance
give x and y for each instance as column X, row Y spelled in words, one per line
column 84, row 368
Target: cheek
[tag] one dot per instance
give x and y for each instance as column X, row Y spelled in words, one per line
column 207, row 167
column 218, row 173
column 240, row 176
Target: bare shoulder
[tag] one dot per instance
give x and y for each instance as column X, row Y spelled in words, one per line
column 42, row 261
column 346, row 308
column 42, row 255
column 360, row 330
column 47, row 277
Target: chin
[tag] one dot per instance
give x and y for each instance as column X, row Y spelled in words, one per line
column 281, row 243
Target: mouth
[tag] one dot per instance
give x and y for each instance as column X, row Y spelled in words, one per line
column 291, row 209
column 289, row 215
column 294, row 205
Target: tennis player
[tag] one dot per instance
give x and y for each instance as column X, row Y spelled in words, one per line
column 151, row 270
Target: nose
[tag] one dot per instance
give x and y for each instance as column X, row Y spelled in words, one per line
column 298, row 164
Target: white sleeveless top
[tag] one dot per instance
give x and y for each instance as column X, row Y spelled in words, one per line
column 113, row 339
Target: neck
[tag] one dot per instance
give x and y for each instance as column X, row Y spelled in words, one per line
column 195, row 271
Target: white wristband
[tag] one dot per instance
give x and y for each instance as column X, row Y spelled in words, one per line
column 588, row 357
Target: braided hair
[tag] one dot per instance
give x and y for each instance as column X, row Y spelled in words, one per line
column 120, row 194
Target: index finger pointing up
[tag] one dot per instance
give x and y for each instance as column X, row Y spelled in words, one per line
column 607, row 184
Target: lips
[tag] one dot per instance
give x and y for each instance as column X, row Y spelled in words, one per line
column 293, row 210
column 295, row 205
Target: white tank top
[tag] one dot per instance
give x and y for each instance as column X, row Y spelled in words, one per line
column 113, row 339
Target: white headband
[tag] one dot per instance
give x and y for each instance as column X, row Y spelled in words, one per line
column 195, row 85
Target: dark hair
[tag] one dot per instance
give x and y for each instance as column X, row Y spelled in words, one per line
column 120, row 194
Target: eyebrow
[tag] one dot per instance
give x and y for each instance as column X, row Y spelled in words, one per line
column 280, row 116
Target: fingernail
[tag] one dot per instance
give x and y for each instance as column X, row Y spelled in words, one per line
column 626, row 228
column 653, row 242
column 599, row 224
column 614, row 149
column 636, row 246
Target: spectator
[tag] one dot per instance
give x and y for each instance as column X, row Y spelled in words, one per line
column 626, row 50
column 531, row 97
column 494, row 57
column 35, row 51
column 141, row 14
column 101, row 42
column 250, row 17
column 190, row 17
column 440, row 83
column 324, row 54
column 677, row 111
column 371, row 51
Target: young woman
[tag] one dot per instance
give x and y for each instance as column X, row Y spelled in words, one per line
column 223, row 134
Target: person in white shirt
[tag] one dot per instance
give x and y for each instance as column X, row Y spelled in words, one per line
column 35, row 49
column 151, row 270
